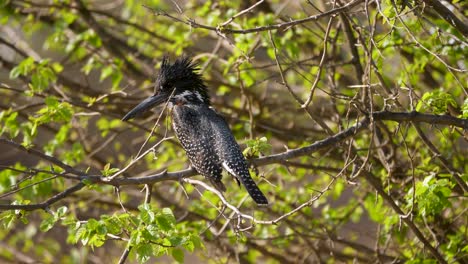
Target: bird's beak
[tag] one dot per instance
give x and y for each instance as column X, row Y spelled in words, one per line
column 145, row 105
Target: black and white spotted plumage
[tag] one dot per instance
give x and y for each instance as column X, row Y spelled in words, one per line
column 203, row 133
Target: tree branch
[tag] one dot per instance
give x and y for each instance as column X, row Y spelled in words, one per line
column 375, row 182
column 450, row 17
column 278, row 26
column 275, row 158
column 43, row 156
column 44, row 205
column 421, row 118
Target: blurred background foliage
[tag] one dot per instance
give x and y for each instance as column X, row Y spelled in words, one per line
column 70, row 69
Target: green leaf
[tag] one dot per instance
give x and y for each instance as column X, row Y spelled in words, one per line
column 101, row 230
column 196, row 240
column 144, row 252
column 48, row 223
column 108, row 171
column 374, row 206
column 164, row 223
column 51, row 101
column 106, row 72
column 146, row 214
column 178, row 255
column 57, row 67
column 11, row 125
column 90, row 64
column 62, row 211
column 23, row 68
column 175, row 240
column 7, row 219
column 15, row 73
column 92, row 224
column 116, row 79
column 169, row 215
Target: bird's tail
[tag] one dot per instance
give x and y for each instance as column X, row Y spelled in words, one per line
column 241, row 173
column 253, row 189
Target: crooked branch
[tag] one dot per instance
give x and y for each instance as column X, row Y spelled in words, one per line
column 278, row 26
column 275, row 158
column 450, row 17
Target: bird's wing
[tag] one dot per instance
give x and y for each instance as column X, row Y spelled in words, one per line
column 231, row 156
column 196, row 136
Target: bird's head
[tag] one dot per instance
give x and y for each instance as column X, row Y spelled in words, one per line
column 178, row 83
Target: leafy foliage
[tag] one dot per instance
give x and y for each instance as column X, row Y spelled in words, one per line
column 437, row 101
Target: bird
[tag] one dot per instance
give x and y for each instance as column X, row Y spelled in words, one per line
column 203, row 133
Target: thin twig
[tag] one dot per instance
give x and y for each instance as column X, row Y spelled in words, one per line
column 331, row 141
column 376, row 184
column 241, row 13
column 124, row 256
column 278, row 26
column 320, row 66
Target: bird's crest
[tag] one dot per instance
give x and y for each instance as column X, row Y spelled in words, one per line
column 181, row 75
